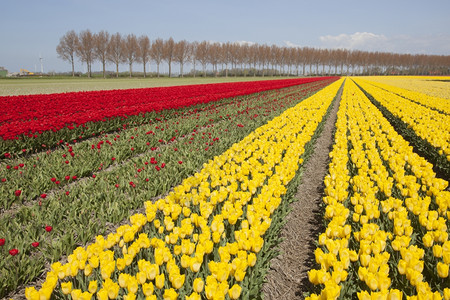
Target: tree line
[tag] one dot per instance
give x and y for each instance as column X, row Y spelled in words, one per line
column 233, row 58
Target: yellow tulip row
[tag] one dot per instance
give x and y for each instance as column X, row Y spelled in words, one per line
column 429, row 101
column 432, row 86
column 376, row 152
column 427, row 123
column 202, row 239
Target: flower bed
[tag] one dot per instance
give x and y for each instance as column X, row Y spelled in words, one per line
column 386, row 214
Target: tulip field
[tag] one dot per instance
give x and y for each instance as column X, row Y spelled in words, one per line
column 61, row 196
column 180, row 192
column 387, row 214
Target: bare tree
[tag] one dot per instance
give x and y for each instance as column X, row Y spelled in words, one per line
column 264, row 55
column 67, row 48
column 115, row 51
column 214, row 56
column 168, row 53
column 234, row 55
column 101, row 41
column 253, row 57
column 85, row 49
column 226, row 55
column 181, row 54
column 243, row 55
column 193, row 52
column 131, row 51
column 144, row 50
column 157, row 53
column 202, row 55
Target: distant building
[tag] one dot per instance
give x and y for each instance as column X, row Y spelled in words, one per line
column 3, row 72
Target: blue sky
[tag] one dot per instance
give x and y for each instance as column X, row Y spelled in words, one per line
column 29, row 28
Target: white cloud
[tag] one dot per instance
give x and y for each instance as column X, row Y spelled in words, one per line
column 245, row 43
column 291, row 44
column 430, row 44
column 358, row 40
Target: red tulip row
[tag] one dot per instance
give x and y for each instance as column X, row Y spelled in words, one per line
column 31, row 115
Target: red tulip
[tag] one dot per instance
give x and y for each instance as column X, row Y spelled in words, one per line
column 43, row 196
column 35, row 244
column 2, row 242
column 67, row 193
column 14, row 252
column 180, row 162
column 113, row 159
column 53, row 179
column 17, row 193
column 93, row 176
column 48, row 228
column 67, row 177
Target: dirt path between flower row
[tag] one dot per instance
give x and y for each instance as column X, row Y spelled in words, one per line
column 287, row 277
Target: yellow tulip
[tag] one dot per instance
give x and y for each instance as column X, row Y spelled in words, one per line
column 447, row 294
column 198, row 285
column 178, row 281
column 235, row 291
column 102, row 294
column 132, row 284
column 66, row 287
column 92, row 286
column 148, row 288
column 159, row 281
column 442, row 269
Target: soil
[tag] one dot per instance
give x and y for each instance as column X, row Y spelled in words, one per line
column 287, row 277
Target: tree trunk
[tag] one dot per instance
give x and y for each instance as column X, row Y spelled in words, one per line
column 170, row 68
column 131, row 69
column 144, row 62
column 181, row 70
column 117, row 70
column 157, row 70
column 104, row 67
column 73, row 68
column 88, row 70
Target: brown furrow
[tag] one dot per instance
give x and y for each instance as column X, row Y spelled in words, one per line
column 287, row 277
